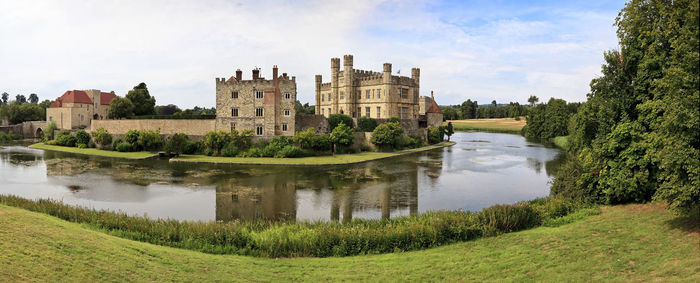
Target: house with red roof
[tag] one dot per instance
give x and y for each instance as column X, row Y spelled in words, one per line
column 76, row 108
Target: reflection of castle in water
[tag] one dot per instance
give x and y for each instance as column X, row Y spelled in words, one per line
column 367, row 191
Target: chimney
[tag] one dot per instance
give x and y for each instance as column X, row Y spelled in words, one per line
column 431, row 95
column 239, row 75
column 256, row 73
column 274, row 72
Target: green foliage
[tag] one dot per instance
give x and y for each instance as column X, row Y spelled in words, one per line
column 468, row 109
column 388, row 134
column 304, row 109
column 546, row 121
column 81, row 145
column 101, row 137
column 143, row 102
column 255, row 152
column 290, row 151
column 120, row 108
column 342, row 135
column 132, row 136
column 449, row 130
column 412, row 142
column 4, row 137
column 124, row 147
column 305, row 138
column 193, row 147
column 436, row 134
column 393, row 120
column 21, row 112
column 82, row 137
column 320, row 239
column 366, row 124
column 322, row 143
column 150, row 140
column 215, row 141
column 229, row 150
column 66, row 140
column 91, row 144
column 49, row 131
column 177, row 144
column 335, row 119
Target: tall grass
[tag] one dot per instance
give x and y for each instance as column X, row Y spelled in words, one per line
column 321, row 239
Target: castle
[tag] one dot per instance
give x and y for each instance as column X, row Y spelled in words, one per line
column 360, row 93
column 265, row 106
column 77, row 108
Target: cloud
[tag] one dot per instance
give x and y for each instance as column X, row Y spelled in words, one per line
column 179, row 47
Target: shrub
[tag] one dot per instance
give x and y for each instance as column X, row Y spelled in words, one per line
column 8, row 137
column 387, row 135
column 124, row 147
column 81, row 145
column 242, row 140
column 177, row 144
column 436, row 134
column 366, row 124
column 132, row 137
column 290, row 151
column 342, row 135
column 101, row 137
column 229, row 150
column 215, row 141
column 393, row 120
column 49, row 131
column 150, row 140
column 305, row 138
column 51, row 142
column 66, row 140
column 254, row 152
column 91, row 144
column 82, row 137
column 508, row 218
column 116, row 142
column 411, row 141
column 193, row 147
column 321, row 143
column 335, row 119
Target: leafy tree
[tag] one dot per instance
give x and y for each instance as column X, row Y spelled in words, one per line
column 304, row 109
column 120, row 108
column 5, row 97
column 546, row 121
column 450, row 112
column 49, row 131
column 335, row 119
column 169, row 109
column 177, row 144
column 469, row 109
column 436, row 134
column 387, row 134
column 533, row 100
column 150, row 140
column 393, row 120
column 45, row 104
column 143, row 102
column 493, row 103
column 305, row 138
column 20, row 99
column 17, row 113
column 101, row 137
column 82, row 137
column 366, row 124
column 214, row 141
column 33, row 98
column 449, row 130
column 342, row 135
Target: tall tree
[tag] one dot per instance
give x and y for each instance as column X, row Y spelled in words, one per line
column 33, row 98
column 5, row 97
column 20, row 99
column 142, row 101
column 120, row 108
column 533, row 100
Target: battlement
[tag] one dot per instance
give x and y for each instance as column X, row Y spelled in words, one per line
column 335, row 63
column 347, row 60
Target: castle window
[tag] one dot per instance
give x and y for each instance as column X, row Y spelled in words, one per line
column 259, row 94
column 329, row 97
column 234, row 94
column 342, row 95
column 373, row 94
column 323, row 97
column 379, row 93
column 287, row 95
column 323, row 111
column 287, row 112
column 403, row 92
column 378, row 111
column 367, row 94
column 359, row 94
column 284, row 127
column 234, row 112
column 233, row 127
column 259, row 112
column 367, row 112
column 329, row 111
column 259, row 130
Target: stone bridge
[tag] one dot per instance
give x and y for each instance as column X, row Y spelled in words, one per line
column 28, row 130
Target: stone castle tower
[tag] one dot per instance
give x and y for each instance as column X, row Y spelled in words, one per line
column 360, row 93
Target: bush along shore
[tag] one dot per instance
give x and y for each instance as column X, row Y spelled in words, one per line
column 319, row 239
column 387, row 137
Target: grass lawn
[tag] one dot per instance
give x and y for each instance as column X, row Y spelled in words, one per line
column 501, row 125
column 623, row 243
column 96, row 152
column 313, row 160
column 561, row 142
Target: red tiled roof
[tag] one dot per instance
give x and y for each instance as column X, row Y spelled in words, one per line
column 434, row 108
column 106, row 98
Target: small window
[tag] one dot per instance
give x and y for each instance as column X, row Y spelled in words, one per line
column 259, row 94
column 358, row 94
column 342, row 95
column 234, row 112
column 372, row 94
column 329, row 97
column 234, row 94
column 378, row 111
column 367, row 112
column 259, row 130
column 284, row 127
column 323, row 97
column 367, row 94
column 233, row 127
column 359, row 111
column 329, row 111
column 287, row 112
column 379, row 93
column 287, row 95
column 259, row 112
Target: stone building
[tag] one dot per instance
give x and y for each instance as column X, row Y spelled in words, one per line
column 360, row 93
column 262, row 105
column 76, row 108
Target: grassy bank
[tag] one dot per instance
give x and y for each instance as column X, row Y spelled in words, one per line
column 96, row 152
column 623, row 243
column 499, row 125
column 561, row 142
column 320, row 239
column 305, row 161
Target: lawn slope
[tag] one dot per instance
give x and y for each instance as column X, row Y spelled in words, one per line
column 496, row 125
column 95, row 152
column 634, row 242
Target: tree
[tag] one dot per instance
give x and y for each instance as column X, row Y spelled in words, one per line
column 45, row 104
column 49, row 131
column 493, row 103
column 5, row 97
column 120, row 108
column 335, row 119
column 215, row 141
column 101, row 137
column 533, row 100
column 469, row 109
column 305, row 138
column 169, row 109
column 366, row 124
column 342, row 135
column 387, row 134
column 143, row 102
column 304, row 109
column 20, row 99
column 449, row 130
column 450, row 112
column 33, row 98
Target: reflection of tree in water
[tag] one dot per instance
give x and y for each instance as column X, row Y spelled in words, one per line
column 269, row 198
column 534, row 164
column 553, row 165
column 19, row 158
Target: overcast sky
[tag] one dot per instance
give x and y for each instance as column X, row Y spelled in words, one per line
column 482, row 50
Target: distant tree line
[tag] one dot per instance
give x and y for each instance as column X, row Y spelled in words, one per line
column 23, row 108
column 472, row 110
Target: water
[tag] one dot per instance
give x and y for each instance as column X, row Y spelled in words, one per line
column 482, row 169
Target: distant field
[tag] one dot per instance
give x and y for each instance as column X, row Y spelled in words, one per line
column 507, row 125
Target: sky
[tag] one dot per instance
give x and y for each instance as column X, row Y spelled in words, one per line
column 478, row 50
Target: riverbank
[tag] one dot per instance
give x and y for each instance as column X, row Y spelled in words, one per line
column 96, row 152
column 497, row 125
column 623, row 243
column 338, row 159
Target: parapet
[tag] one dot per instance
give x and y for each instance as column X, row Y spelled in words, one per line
column 387, row 67
column 335, row 63
column 347, row 60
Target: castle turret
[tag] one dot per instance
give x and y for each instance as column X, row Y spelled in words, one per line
column 318, row 94
column 386, row 86
column 348, row 82
column 415, row 75
column 335, row 72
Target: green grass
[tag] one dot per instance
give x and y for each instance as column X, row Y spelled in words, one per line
column 623, row 243
column 561, row 142
column 309, row 161
column 497, row 125
column 96, row 152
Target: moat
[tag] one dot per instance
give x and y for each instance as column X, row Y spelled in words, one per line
column 482, row 169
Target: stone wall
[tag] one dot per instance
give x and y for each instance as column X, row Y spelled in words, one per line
column 167, row 127
column 28, row 130
column 434, row 119
column 318, row 122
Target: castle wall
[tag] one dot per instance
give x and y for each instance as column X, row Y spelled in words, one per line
column 166, row 126
column 318, row 122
